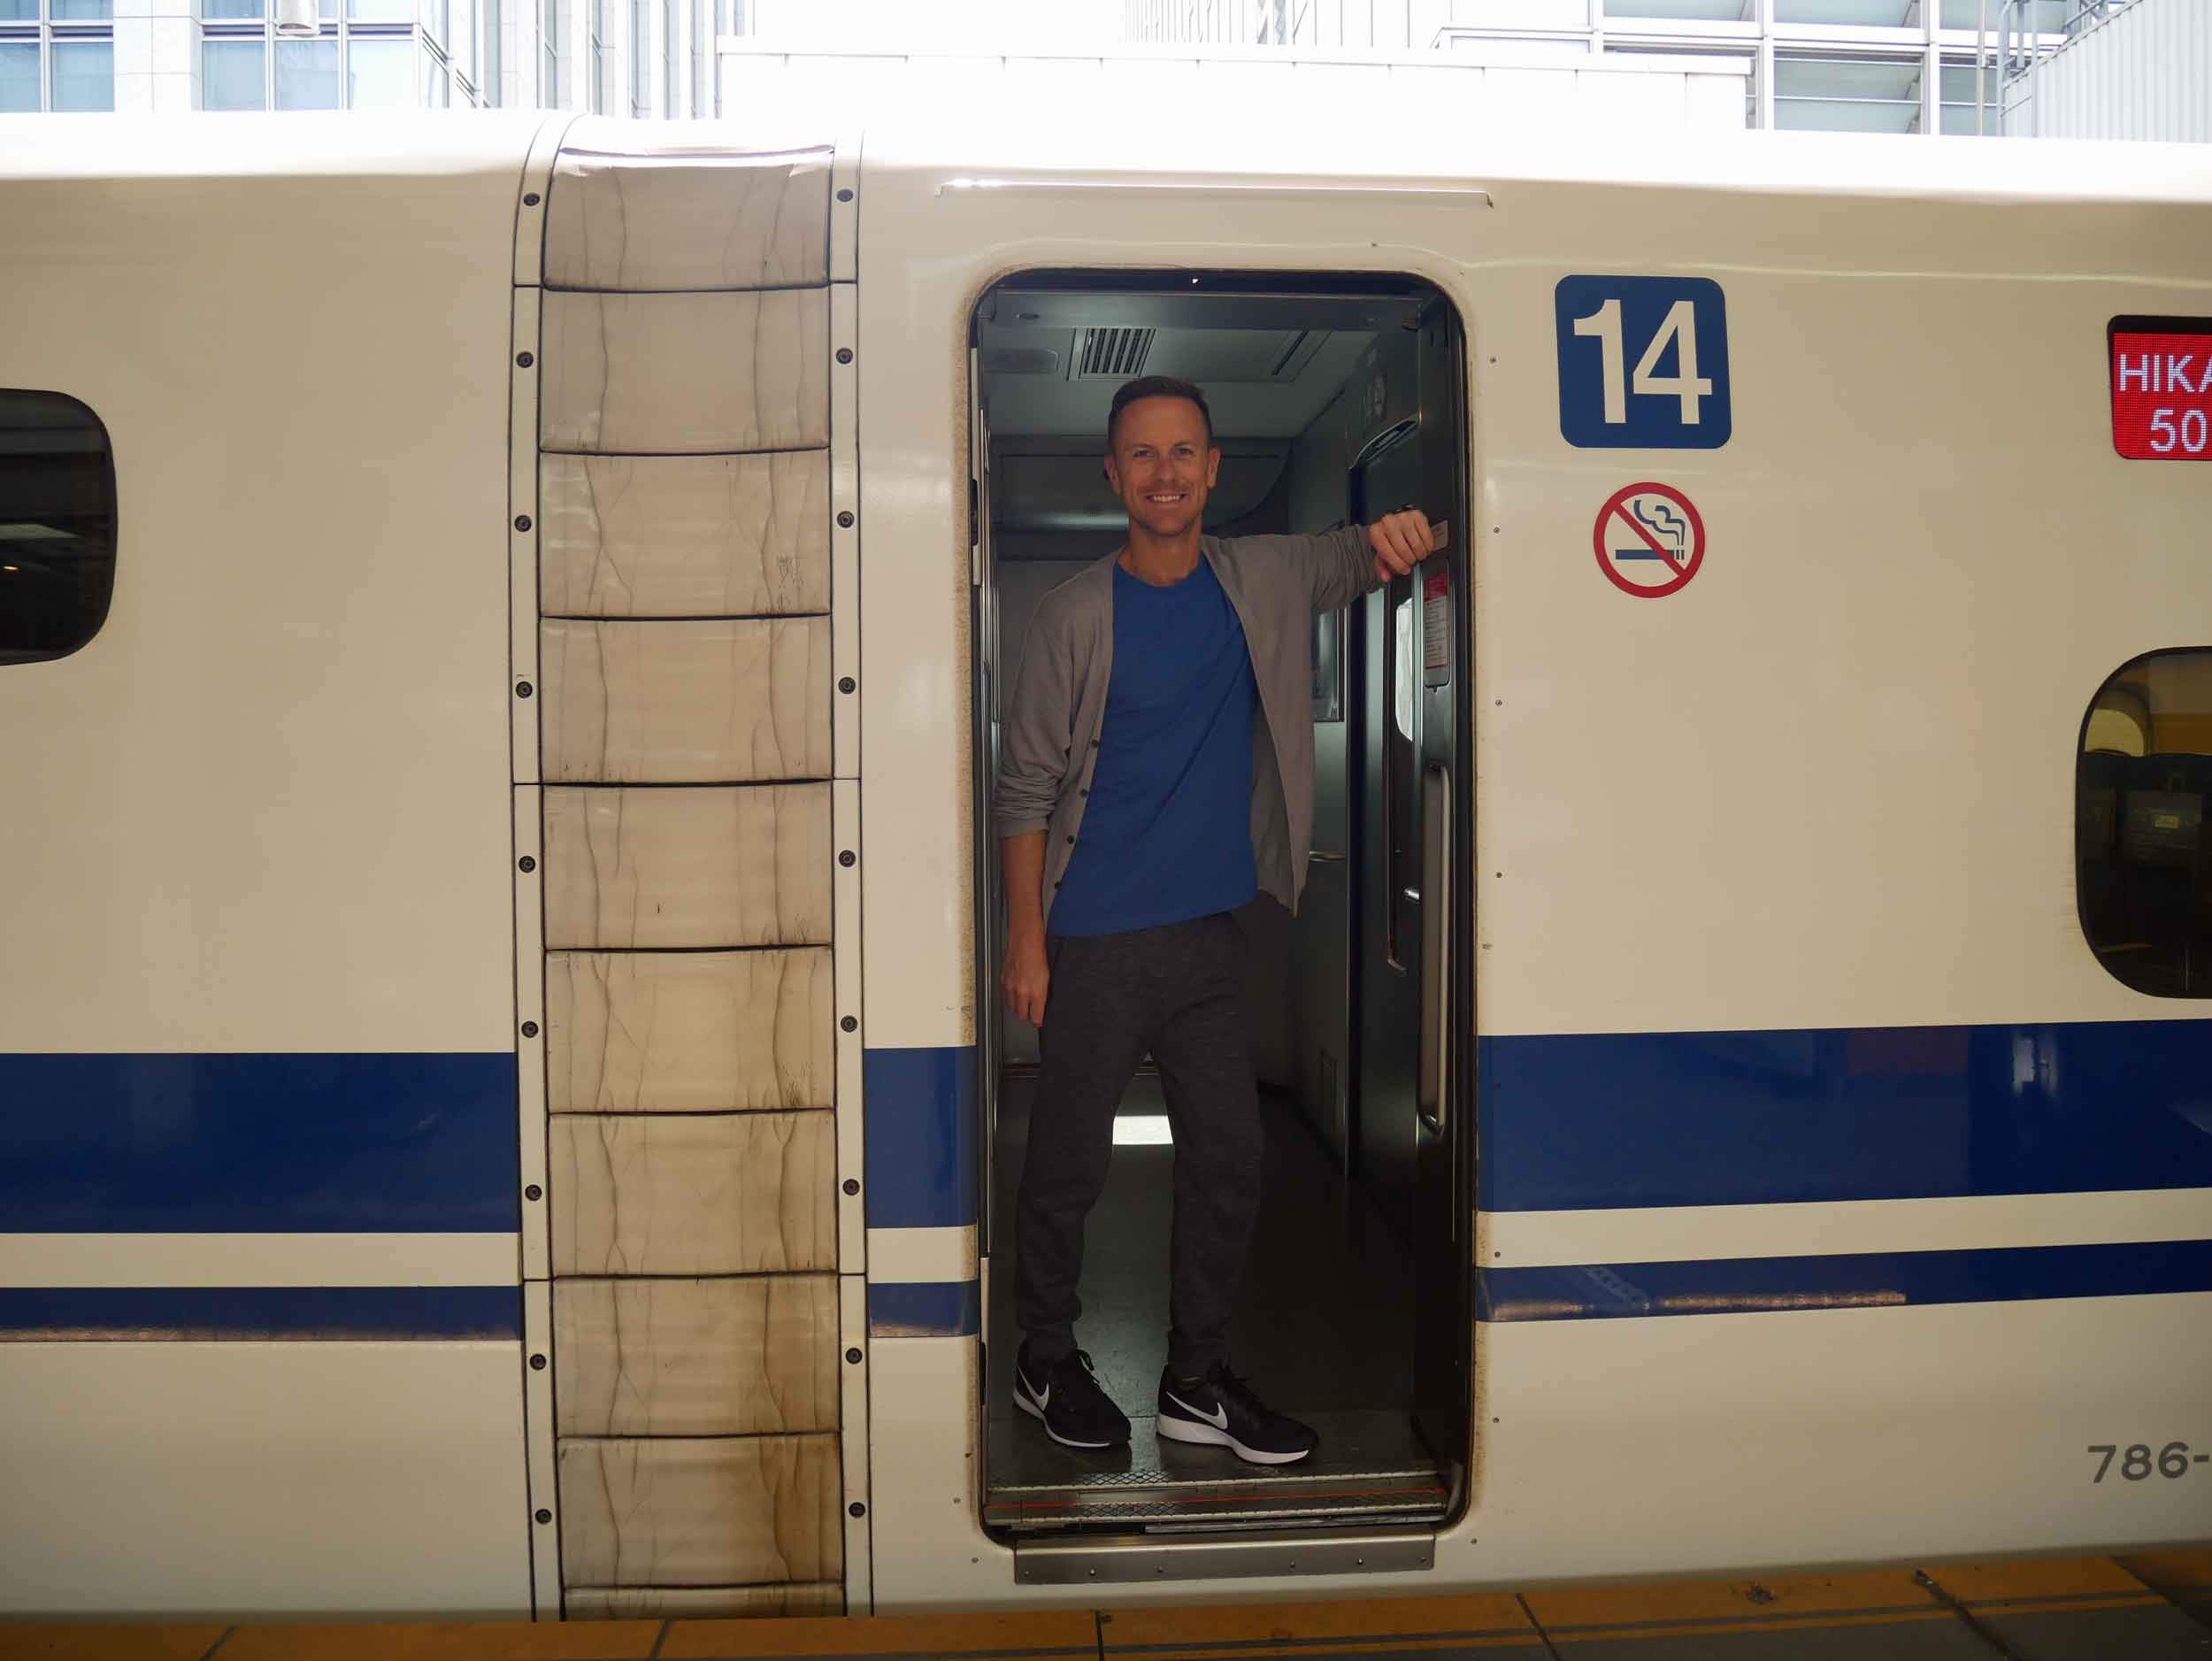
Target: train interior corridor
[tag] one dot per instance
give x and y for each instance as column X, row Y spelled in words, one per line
column 1331, row 403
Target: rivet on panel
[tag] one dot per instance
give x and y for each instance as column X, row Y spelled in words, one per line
column 858, row 1508
column 529, row 1029
column 847, row 684
column 537, row 1364
column 526, row 863
column 523, row 689
column 844, row 196
column 530, row 200
column 525, row 359
column 852, row 1185
column 848, row 859
column 849, row 1025
column 533, row 1192
column 522, row 521
column 853, row 1356
column 544, row 1516
column 845, row 517
column 844, row 354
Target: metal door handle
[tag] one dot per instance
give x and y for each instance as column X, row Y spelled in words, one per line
column 1436, row 933
column 1323, row 857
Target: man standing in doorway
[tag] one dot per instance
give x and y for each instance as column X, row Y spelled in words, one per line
column 1156, row 773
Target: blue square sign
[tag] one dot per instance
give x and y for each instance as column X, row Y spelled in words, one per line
column 1643, row 363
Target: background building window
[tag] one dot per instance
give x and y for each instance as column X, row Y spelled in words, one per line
column 640, row 58
column 437, row 82
column 58, row 55
column 552, row 38
column 672, row 62
column 701, row 58
column 18, row 77
column 603, row 64
column 84, row 74
column 2143, row 859
column 1961, row 99
column 1848, row 94
column 492, row 92
column 57, row 525
column 460, row 42
column 1703, row 11
column 369, row 66
column 232, row 74
column 307, row 76
column 2044, row 16
column 379, row 71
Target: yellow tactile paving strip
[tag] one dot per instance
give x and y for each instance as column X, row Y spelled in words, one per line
column 1535, row 1624
column 108, row 1643
column 1479, row 1621
column 2078, row 1584
column 552, row 1641
column 2178, row 1574
column 1778, row 1603
column 1025, row 1636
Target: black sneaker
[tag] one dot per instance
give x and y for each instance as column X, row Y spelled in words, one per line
column 1066, row 1399
column 1221, row 1409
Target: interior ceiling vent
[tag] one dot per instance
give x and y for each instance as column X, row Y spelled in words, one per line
column 1113, row 353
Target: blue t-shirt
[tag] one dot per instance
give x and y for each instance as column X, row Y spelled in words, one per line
column 1167, row 833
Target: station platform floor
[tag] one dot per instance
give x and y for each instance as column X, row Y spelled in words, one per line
column 2150, row 1608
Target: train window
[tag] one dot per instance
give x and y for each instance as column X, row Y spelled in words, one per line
column 2143, row 857
column 57, row 525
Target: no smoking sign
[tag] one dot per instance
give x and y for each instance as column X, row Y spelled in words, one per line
column 1649, row 540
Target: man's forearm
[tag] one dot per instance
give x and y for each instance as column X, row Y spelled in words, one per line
column 1022, row 858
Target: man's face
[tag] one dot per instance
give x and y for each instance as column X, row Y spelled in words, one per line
column 1162, row 467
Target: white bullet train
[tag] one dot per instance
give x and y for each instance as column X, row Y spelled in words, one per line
column 502, row 624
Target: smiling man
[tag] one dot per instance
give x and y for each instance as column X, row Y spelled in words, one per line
column 1156, row 773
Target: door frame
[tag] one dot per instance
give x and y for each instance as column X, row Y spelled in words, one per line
column 987, row 674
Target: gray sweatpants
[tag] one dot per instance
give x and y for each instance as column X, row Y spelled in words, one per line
column 1175, row 991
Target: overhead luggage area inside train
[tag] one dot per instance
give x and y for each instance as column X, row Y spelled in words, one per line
column 1333, row 400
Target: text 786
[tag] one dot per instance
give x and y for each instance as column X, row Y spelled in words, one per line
column 2138, row 1461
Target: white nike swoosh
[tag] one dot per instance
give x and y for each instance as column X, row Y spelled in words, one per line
column 1043, row 1398
column 1218, row 1419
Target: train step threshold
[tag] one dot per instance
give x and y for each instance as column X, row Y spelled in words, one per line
column 1371, row 1466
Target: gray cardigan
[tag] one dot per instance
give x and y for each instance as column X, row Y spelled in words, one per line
column 1049, row 742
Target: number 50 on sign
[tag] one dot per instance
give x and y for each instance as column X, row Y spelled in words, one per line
column 1643, row 363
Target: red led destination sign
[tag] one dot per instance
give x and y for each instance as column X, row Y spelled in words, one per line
column 2162, row 388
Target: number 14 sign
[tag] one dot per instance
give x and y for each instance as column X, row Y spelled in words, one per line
column 1643, row 363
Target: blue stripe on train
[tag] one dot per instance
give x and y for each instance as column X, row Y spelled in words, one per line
column 1859, row 1281
column 921, row 1138
column 259, row 1143
column 355, row 1313
column 426, row 1142
column 1592, row 1121
column 925, row 1309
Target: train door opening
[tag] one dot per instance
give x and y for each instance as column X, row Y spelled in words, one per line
column 1333, row 401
